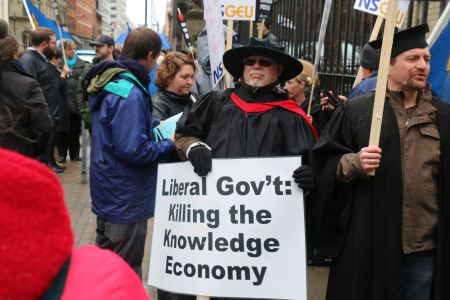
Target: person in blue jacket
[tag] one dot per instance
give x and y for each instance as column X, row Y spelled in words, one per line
column 124, row 157
column 370, row 59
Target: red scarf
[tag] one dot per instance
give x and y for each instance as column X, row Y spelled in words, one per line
column 260, row 107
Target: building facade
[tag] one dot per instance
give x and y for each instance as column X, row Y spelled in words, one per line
column 19, row 23
column 83, row 20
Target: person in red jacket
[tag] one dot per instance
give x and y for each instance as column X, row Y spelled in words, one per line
column 37, row 259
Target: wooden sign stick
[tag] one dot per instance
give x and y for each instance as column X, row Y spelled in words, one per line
column 260, row 29
column 383, row 70
column 229, row 45
column 373, row 36
column 202, row 298
column 250, row 30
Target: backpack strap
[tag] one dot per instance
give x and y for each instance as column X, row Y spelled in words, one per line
column 122, row 87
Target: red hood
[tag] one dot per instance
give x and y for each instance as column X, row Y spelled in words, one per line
column 34, row 226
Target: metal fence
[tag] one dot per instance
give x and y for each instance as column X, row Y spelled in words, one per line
column 296, row 23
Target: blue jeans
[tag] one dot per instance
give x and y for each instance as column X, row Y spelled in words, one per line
column 417, row 275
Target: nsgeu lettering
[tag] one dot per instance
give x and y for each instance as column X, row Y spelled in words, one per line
column 256, row 274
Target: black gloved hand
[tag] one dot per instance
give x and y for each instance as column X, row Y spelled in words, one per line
column 201, row 159
column 304, row 178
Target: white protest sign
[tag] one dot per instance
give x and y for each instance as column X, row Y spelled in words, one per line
column 216, row 41
column 380, row 8
column 238, row 10
column 239, row 232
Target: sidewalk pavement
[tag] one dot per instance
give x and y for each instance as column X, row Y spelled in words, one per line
column 83, row 221
column 78, row 201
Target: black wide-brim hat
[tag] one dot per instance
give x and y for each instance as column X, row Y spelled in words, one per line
column 233, row 59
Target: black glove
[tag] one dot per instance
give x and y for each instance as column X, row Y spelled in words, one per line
column 304, row 178
column 200, row 158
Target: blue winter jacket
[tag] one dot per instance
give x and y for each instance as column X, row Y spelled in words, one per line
column 365, row 86
column 124, row 158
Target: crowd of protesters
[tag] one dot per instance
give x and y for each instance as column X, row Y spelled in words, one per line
column 386, row 234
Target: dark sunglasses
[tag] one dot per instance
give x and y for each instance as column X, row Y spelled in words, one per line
column 262, row 62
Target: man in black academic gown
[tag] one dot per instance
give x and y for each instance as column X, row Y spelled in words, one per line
column 251, row 120
column 254, row 118
column 389, row 234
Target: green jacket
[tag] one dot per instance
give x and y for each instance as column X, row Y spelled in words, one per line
column 96, row 84
column 83, row 106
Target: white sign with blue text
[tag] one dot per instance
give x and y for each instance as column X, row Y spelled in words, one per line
column 380, row 8
column 216, row 40
column 238, row 232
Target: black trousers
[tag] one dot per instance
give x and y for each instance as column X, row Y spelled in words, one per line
column 47, row 157
column 127, row 240
column 70, row 140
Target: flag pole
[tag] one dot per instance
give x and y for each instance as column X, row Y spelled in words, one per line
column 58, row 23
column 323, row 29
column 443, row 20
column 62, row 44
column 25, row 4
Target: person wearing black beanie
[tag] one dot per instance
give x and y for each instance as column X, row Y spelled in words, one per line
column 387, row 233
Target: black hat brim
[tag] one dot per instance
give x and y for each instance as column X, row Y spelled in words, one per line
column 96, row 43
column 233, row 61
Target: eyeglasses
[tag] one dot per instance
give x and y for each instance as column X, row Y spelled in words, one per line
column 262, row 62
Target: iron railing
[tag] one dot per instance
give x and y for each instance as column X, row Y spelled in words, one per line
column 296, row 23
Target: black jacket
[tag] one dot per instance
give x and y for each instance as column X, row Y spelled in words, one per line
column 72, row 84
column 167, row 104
column 360, row 223
column 40, row 69
column 24, row 119
column 63, row 123
column 232, row 132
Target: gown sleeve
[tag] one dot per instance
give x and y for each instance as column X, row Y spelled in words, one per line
column 332, row 204
column 195, row 123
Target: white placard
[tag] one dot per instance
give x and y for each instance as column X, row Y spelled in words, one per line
column 238, row 10
column 380, row 8
column 239, row 232
column 216, row 41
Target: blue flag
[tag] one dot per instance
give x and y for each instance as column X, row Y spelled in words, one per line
column 440, row 63
column 40, row 20
column 121, row 39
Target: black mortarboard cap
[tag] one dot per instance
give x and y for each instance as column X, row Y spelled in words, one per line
column 410, row 38
column 370, row 57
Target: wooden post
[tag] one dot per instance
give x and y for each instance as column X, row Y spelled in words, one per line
column 383, row 70
column 373, row 36
column 260, row 29
column 229, row 45
column 62, row 46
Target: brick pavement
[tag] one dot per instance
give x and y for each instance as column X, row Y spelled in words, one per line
column 83, row 221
